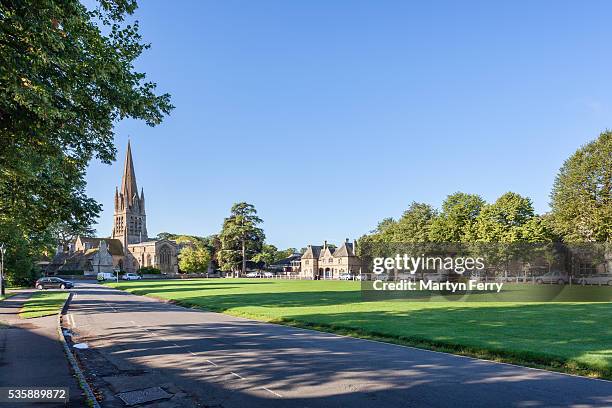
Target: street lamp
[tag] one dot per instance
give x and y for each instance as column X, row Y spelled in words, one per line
column 2, row 252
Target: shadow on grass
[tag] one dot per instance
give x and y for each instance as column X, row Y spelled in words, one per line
column 575, row 338
column 569, row 338
column 42, row 304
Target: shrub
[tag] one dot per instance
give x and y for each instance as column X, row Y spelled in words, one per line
column 149, row 270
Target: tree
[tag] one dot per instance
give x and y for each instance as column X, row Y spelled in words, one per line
column 506, row 229
column 413, row 226
column 268, row 255
column 241, row 238
column 503, row 221
column 66, row 77
column 65, row 233
column 384, row 225
column 458, row 215
column 194, row 258
column 581, row 198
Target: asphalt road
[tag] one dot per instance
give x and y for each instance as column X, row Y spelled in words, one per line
column 211, row 359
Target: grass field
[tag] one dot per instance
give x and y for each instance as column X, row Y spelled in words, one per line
column 43, row 304
column 569, row 337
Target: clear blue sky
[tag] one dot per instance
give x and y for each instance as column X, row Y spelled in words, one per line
column 331, row 115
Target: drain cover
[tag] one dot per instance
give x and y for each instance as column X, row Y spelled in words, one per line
column 144, row 395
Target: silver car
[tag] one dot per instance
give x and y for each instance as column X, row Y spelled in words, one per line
column 553, row 277
column 599, row 279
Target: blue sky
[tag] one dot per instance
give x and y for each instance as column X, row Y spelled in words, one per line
column 331, row 115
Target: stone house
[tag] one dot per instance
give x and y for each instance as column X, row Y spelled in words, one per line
column 329, row 262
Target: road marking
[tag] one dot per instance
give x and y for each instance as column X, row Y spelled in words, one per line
column 272, row 392
column 196, row 355
column 72, row 320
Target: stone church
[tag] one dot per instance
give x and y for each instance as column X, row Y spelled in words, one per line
column 129, row 247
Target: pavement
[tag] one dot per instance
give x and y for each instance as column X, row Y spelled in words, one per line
column 31, row 354
column 195, row 358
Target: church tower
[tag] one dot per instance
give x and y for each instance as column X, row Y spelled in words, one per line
column 130, row 220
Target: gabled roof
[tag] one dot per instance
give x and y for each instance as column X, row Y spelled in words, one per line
column 313, row 251
column 114, row 245
column 328, row 251
column 345, row 250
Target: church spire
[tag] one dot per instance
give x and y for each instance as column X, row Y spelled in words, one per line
column 128, row 181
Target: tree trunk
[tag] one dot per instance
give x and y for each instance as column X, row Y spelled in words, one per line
column 243, row 258
column 608, row 257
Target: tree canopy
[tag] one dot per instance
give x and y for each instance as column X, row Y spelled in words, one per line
column 66, row 77
column 194, row 258
column 241, row 237
column 457, row 218
column 581, row 198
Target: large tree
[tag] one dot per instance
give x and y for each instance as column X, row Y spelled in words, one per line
column 413, row 226
column 194, row 258
column 458, row 215
column 581, row 199
column 66, row 77
column 241, row 237
column 503, row 221
column 508, row 229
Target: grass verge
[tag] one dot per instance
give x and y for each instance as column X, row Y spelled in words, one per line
column 7, row 295
column 43, row 304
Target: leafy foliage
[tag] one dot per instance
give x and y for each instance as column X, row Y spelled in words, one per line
column 581, row 198
column 457, row 218
column 66, row 77
column 194, row 258
column 241, row 238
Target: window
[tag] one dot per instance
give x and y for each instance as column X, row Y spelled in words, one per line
column 307, row 262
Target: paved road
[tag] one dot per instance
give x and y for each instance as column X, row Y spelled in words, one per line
column 211, row 359
column 31, row 354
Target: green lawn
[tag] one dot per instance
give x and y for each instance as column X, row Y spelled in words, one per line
column 569, row 337
column 43, row 304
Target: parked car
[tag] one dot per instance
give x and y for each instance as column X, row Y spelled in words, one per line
column 252, row 275
column 361, row 277
column 268, row 275
column 346, row 276
column 102, row 276
column 553, row 277
column 599, row 279
column 131, row 276
column 435, row 277
column 381, row 277
column 53, row 283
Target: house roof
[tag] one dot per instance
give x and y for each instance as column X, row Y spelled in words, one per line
column 115, row 247
column 345, row 250
column 313, row 251
column 287, row 261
